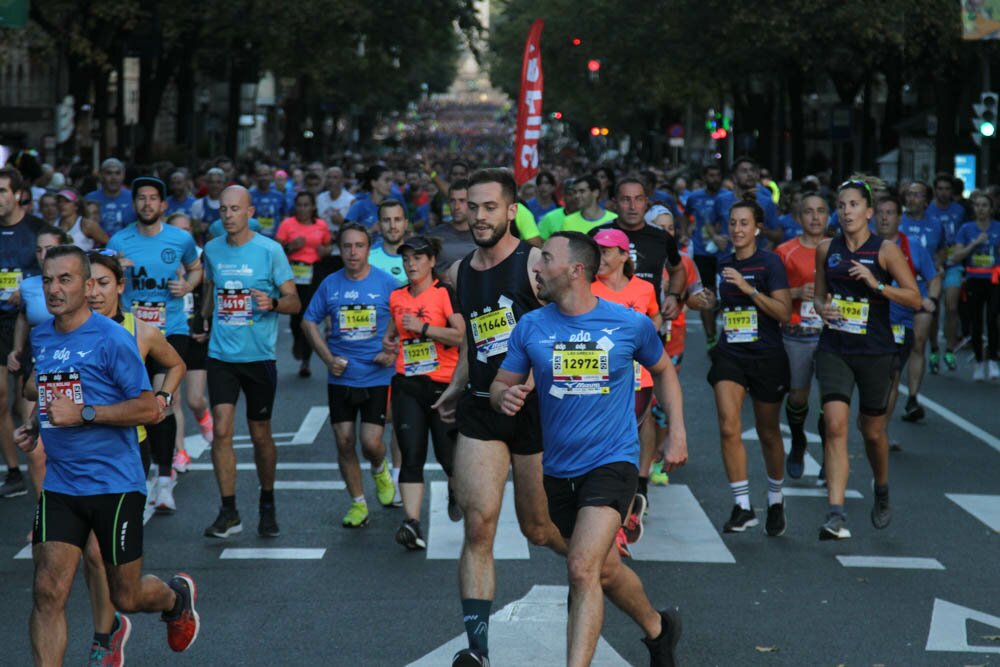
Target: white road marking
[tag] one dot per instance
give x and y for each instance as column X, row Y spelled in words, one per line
column 301, row 466
column 311, row 425
column 444, row 537
column 965, row 425
column 817, row 493
column 529, row 631
column 891, row 562
column 811, row 464
column 983, row 507
column 272, row 554
column 318, row 485
column 948, row 631
column 678, row 530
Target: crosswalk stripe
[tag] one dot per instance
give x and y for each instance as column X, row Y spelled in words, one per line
column 435, row 467
column 317, row 485
column 891, row 562
column 817, row 492
column 444, row 537
column 678, row 530
column 811, row 464
column 272, row 554
column 984, row 507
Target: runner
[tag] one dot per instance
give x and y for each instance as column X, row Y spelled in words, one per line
column 494, row 290
column 552, row 221
column 456, row 237
column 977, row 246
column 17, row 262
column 951, row 215
column 428, row 331
column 616, row 282
column 306, row 240
column 163, row 267
column 93, row 391
column 248, row 282
column 115, row 201
column 86, row 233
column 393, row 227
column 268, row 203
column 589, row 214
column 205, row 211
column 749, row 358
column 800, row 334
column 924, row 230
column 180, row 199
column 544, row 200
column 375, row 187
column 356, row 299
column 581, row 350
column 856, row 347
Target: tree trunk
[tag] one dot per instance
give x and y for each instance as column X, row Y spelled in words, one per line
column 797, row 124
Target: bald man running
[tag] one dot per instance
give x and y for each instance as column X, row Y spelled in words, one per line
column 248, row 281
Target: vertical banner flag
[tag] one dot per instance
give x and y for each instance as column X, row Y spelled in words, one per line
column 529, row 108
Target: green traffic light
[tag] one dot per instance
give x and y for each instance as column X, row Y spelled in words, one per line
column 987, row 129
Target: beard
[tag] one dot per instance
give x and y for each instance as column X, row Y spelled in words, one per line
column 493, row 239
column 147, row 221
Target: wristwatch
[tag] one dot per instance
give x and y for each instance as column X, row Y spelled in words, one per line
column 675, row 295
column 274, row 304
column 168, row 398
column 881, row 287
column 88, row 414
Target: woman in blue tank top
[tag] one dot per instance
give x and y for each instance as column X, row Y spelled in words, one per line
column 854, row 275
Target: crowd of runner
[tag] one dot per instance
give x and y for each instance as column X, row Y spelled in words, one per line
column 473, row 316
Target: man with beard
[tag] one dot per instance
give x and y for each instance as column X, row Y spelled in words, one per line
column 114, row 200
column 495, row 289
column 162, row 266
column 456, row 237
column 393, row 226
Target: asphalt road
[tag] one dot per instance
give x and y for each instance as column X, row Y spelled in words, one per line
column 340, row 597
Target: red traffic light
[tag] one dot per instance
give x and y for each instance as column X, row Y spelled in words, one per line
column 577, row 41
column 720, row 133
column 595, row 131
column 557, row 115
column 594, row 65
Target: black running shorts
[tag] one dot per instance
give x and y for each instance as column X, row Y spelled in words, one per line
column 610, row 485
column 346, row 403
column 257, row 379
column 872, row 373
column 115, row 518
column 766, row 378
column 522, row 433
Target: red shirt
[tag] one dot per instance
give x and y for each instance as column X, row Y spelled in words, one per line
column 676, row 329
column 316, row 234
column 638, row 295
column 800, row 265
column 419, row 355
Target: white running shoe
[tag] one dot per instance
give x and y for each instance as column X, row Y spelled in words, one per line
column 994, row 370
column 165, row 503
column 979, row 374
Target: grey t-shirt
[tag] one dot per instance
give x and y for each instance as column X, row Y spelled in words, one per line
column 454, row 245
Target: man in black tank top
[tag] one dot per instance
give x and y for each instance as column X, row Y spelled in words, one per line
column 495, row 288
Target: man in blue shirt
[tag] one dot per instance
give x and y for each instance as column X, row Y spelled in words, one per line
column 356, row 299
column 92, row 392
column 746, row 178
column 707, row 241
column 205, row 211
column 268, row 202
column 581, row 350
column 114, row 200
column 923, row 230
column 180, row 198
column 393, row 226
column 951, row 215
column 248, row 281
column 162, row 267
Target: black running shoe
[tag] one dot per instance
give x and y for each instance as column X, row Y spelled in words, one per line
column 226, row 524
column 268, row 524
column 409, row 535
column 881, row 513
column 913, row 411
column 740, row 520
column 775, row 524
column 13, row 485
column 795, row 464
column 468, row 657
column 663, row 649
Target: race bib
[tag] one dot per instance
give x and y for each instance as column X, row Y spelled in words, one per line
column 50, row 384
column 10, row 281
column 740, row 324
column 189, row 305
column 666, row 329
column 302, row 273
column 151, row 312
column 637, row 375
column 419, row 356
column 580, row 369
column 898, row 333
column 357, row 321
column 234, row 307
column 266, row 225
column 983, row 260
column 810, row 318
column 491, row 330
column 853, row 315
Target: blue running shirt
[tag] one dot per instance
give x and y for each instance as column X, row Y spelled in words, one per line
column 269, row 210
column 98, row 363
column 156, row 260
column 391, row 264
column 585, row 380
column 116, row 212
column 239, row 332
column 359, row 315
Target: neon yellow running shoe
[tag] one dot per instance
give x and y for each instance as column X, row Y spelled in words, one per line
column 357, row 516
column 384, row 487
column 656, row 476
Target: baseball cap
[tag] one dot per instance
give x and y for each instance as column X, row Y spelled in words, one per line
column 612, row 238
column 149, row 181
column 418, row 244
column 69, row 194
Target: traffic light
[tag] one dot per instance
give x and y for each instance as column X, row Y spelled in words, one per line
column 577, row 41
column 595, row 131
column 594, row 69
column 556, row 115
column 985, row 121
column 719, row 125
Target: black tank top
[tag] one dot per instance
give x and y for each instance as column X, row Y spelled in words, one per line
column 864, row 328
column 492, row 302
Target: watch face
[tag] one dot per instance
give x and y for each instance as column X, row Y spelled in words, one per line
column 88, row 413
